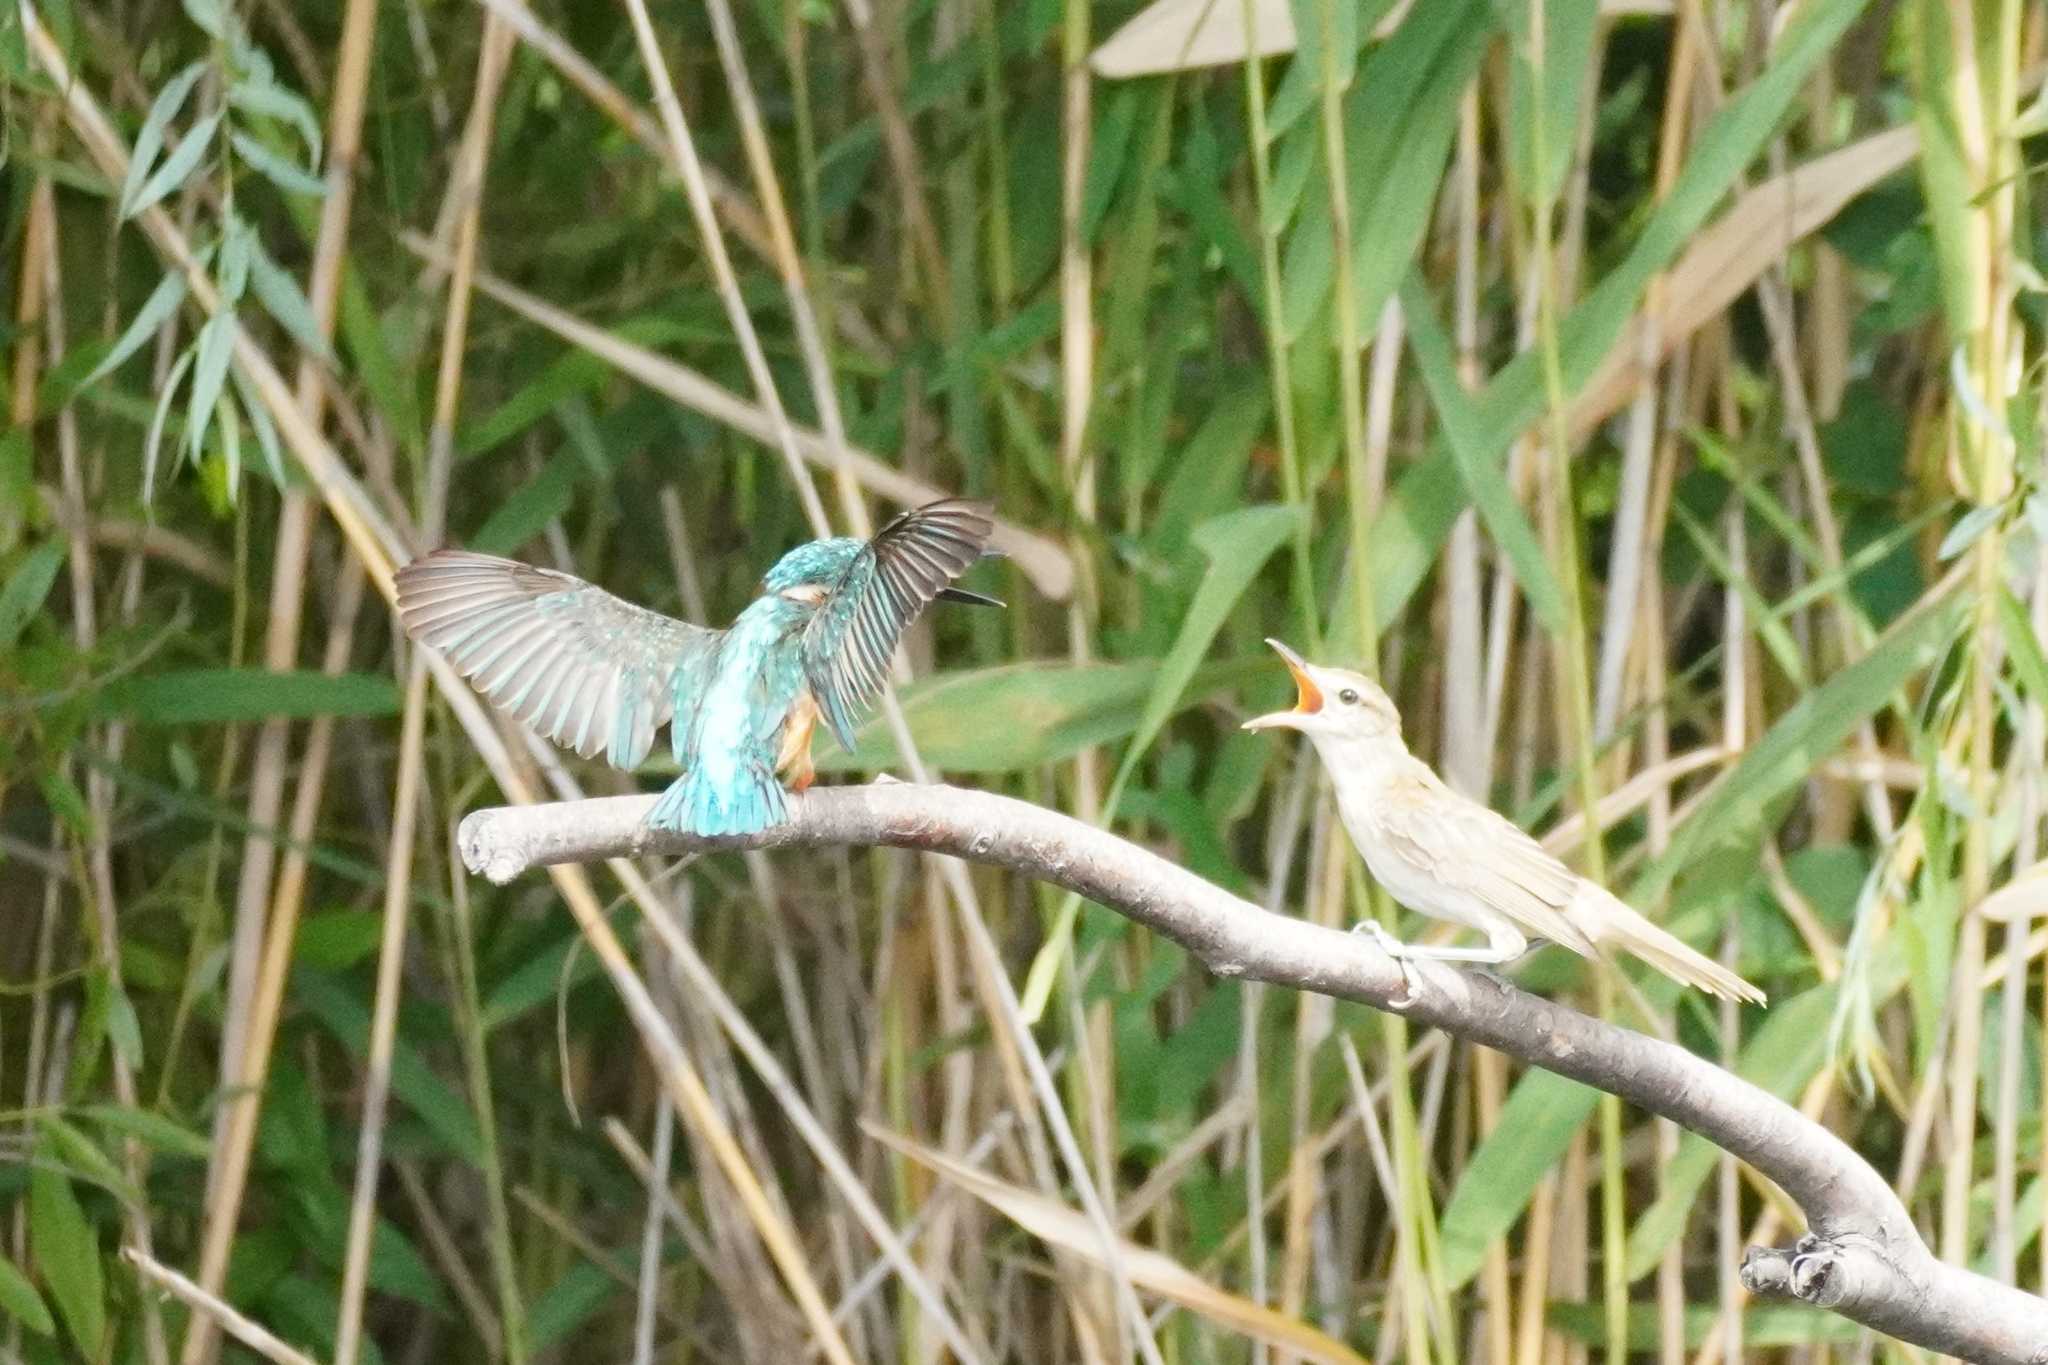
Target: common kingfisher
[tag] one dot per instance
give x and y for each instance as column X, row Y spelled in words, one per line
column 595, row 673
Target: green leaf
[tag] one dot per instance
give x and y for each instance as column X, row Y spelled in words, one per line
column 1801, row 737
column 214, row 349
column 1485, row 480
column 338, row 938
column 68, row 1254
column 152, row 1128
column 282, row 298
column 2023, row 646
column 1536, row 1125
column 1237, row 545
column 1781, row 1057
column 1543, row 121
column 22, row 596
column 149, row 139
column 276, row 169
column 1050, row 710
column 214, row 696
column 19, row 1300
column 152, row 444
column 1399, row 119
column 271, row 100
column 1409, row 532
column 436, row 1103
column 237, row 245
column 177, row 167
column 84, row 1159
column 156, row 310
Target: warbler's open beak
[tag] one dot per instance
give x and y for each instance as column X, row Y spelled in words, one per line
column 1308, row 697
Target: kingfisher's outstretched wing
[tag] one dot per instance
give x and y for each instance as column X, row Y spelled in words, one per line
column 910, row 561
column 589, row 671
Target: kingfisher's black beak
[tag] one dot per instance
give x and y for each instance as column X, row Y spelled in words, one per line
column 972, row 599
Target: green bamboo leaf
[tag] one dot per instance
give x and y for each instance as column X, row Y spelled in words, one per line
column 216, row 696
column 436, row 1103
column 1485, row 481
column 149, row 139
column 152, row 444
column 83, row 1158
column 152, row 1128
column 212, row 352
column 19, row 1300
column 266, row 430
column 26, row 588
column 1536, row 1125
column 276, row 169
column 271, row 100
column 156, row 310
column 237, row 245
column 282, row 298
column 68, row 1255
column 177, row 167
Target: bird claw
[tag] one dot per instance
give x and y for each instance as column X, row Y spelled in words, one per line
column 1396, row 950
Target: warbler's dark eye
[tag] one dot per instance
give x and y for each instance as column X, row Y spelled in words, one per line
column 1349, row 696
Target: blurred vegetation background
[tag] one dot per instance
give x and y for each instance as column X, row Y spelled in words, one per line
column 1653, row 395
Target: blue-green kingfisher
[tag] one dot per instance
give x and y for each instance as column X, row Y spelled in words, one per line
column 597, row 674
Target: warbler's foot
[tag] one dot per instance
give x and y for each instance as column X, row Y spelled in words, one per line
column 1397, row 950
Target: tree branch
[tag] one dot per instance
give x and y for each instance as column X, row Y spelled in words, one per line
column 1862, row 1257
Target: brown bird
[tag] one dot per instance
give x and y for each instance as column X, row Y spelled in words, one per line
column 1447, row 856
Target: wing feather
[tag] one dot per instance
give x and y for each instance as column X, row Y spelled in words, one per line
column 848, row 645
column 591, row 672
column 1482, row 853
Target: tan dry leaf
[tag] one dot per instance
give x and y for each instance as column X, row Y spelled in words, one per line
column 1733, row 251
column 2024, row 897
column 1067, row 1229
column 1185, row 35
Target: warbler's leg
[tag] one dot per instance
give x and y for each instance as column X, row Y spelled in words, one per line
column 1398, row 951
column 1504, row 943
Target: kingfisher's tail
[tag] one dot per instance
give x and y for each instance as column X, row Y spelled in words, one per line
column 744, row 799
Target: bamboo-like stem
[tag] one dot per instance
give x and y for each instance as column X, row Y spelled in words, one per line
column 372, row 537
column 247, row 1040
column 472, row 157
column 43, row 306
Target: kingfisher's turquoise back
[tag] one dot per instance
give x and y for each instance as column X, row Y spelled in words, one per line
column 728, row 746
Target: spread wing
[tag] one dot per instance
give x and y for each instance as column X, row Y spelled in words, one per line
column 848, row 645
column 589, row 671
column 1472, row 849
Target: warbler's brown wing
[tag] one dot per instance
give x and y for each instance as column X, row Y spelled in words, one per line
column 1472, row 849
column 584, row 668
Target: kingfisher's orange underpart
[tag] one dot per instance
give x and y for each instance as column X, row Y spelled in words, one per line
column 795, row 755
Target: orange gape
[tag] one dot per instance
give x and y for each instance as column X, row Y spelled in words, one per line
column 794, row 758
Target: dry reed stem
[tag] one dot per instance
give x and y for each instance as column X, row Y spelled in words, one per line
column 213, row 1308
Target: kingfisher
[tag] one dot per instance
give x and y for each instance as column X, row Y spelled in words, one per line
column 596, row 674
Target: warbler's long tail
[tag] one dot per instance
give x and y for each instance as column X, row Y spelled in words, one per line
column 739, row 799
column 1608, row 920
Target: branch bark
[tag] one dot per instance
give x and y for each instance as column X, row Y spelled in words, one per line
column 1861, row 1258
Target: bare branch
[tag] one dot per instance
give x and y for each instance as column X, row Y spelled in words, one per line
column 1862, row 1258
